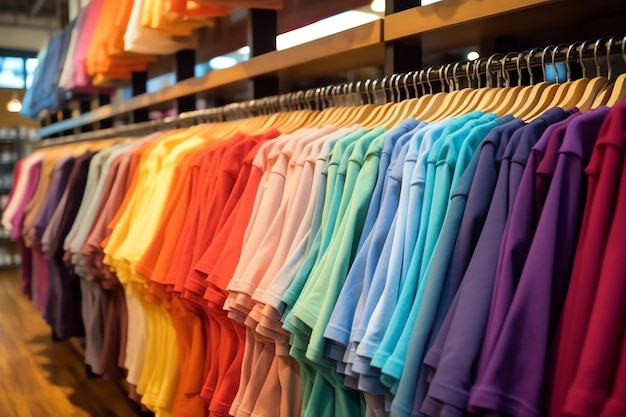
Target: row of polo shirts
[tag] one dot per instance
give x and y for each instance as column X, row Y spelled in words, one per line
column 110, row 39
column 416, row 271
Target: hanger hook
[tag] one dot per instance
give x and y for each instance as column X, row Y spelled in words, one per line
column 449, row 81
column 555, row 52
column 543, row 61
column 387, row 88
column 374, row 86
column 624, row 49
column 430, row 86
column 518, row 67
column 568, row 58
column 441, row 81
column 406, row 86
column 415, row 74
column 357, row 88
column 397, row 88
column 476, row 70
column 529, row 65
column 366, row 90
column 455, row 76
column 505, row 72
column 609, row 68
column 581, row 57
column 596, row 48
column 422, row 82
column 468, row 66
column 489, row 80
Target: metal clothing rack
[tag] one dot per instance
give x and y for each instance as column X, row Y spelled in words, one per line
column 498, row 70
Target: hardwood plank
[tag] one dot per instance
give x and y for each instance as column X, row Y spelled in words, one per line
column 43, row 378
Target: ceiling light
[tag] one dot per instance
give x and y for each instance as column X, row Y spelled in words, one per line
column 221, row 62
column 325, row 27
column 378, row 6
column 14, row 105
column 472, row 55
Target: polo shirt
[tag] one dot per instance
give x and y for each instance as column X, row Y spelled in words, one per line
column 327, row 216
column 390, row 357
column 595, row 389
column 542, row 285
column 456, row 349
column 220, row 260
column 518, row 235
column 340, row 323
column 389, row 287
column 263, row 244
column 366, row 186
column 375, row 291
column 347, row 174
column 300, row 206
column 602, row 191
column 482, row 162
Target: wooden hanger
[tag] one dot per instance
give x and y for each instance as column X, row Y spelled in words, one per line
column 377, row 116
column 541, row 95
column 401, row 107
column 463, row 95
column 599, row 83
column 512, row 92
column 435, row 102
column 484, row 96
column 417, row 105
column 450, row 96
column 618, row 92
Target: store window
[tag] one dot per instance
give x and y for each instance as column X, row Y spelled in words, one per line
column 16, row 71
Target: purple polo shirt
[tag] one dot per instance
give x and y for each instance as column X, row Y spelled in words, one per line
column 520, row 230
column 511, row 382
column 457, row 347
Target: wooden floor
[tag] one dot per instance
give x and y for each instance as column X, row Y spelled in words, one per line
column 43, row 378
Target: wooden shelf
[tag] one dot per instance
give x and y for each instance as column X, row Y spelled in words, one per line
column 355, row 48
column 448, row 13
column 451, row 24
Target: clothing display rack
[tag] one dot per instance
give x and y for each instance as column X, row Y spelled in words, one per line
column 494, row 71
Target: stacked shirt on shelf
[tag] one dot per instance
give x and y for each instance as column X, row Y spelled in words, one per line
column 466, row 266
column 110, row 39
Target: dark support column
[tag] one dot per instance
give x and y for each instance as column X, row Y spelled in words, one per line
column 103, row 100
column 65, row 114
column 85, row 107
column 401, row 57
column 139, row 84
column 185, row 68
column 262, row 31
